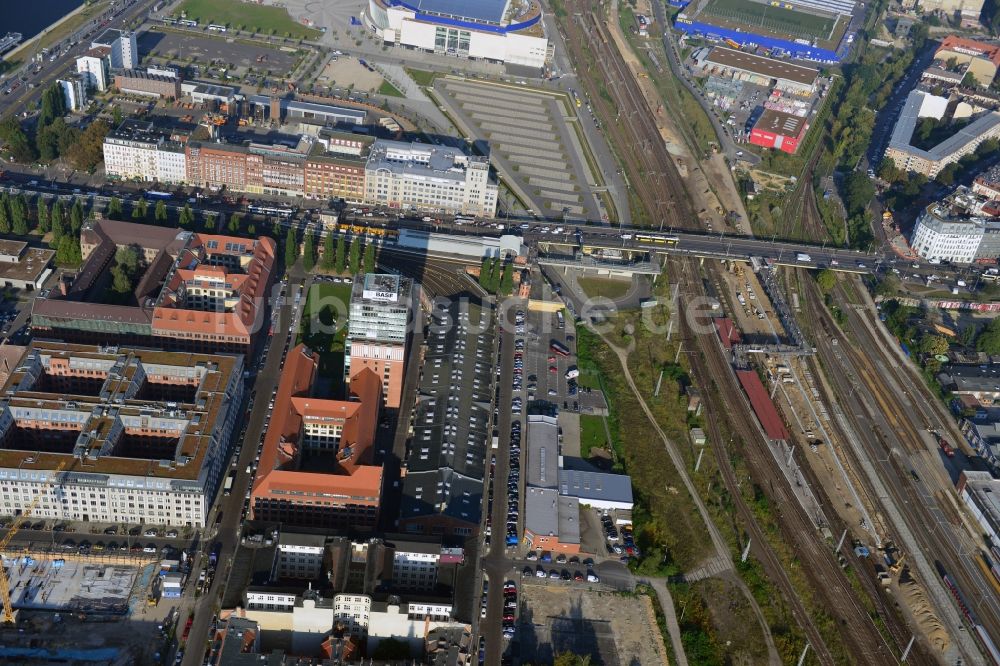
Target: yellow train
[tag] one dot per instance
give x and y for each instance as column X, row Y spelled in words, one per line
column 656, row 239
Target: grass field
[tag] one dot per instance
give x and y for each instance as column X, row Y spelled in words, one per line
column 775, row 20
column 422, row 77
column 236, row 14
column 332, row 301
column 603, row 287
column 389, row 90
column 592, row 434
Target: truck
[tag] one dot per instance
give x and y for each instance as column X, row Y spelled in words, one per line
column 802, row 256
column 560, row 320
column 187, row 628
column 227, row 489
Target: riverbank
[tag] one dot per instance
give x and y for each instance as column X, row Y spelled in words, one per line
column 57, row 31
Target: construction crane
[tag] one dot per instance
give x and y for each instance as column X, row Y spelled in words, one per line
column 8, row 609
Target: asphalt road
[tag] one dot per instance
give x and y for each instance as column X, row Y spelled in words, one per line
column 228, row 511
column 24, row 97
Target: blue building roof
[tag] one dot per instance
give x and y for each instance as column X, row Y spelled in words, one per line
column 491, row 11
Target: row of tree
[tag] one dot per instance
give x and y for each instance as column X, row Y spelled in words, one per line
column 337, row 256
column 496, row 277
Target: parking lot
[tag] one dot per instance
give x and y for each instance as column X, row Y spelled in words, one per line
column 530, row 141
column 239, row 56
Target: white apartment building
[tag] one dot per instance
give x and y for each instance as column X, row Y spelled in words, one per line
column 74, row 92
column 95, row 65
column 300, row 556
column 938, row 237
column 144, row 461
column 137, row 152
column 415, row 565
column 377, row 328
column 309, row 618
column 123, row 48
column 431, row 178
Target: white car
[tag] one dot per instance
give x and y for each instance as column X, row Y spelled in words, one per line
column 592, row 578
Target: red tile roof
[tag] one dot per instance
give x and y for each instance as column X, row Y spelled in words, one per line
column 766, row 413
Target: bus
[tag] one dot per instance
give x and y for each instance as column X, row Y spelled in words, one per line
column 559, row 348
column 560, row 320
column 157, row 194
column 215, row 27
column 278, row 211
column 227, row 489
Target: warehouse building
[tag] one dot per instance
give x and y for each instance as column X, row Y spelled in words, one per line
column 281, row 108
column 142, row 435
column 430, row 178
column 507, row 31
column 779, row 74
column 779, row 130
column 981, row 493
column 551, row 521
column 138, row 82
column 23, row 267
column 507, row 246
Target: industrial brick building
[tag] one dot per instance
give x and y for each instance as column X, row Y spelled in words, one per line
column 138, row 82
column 199, row 292
column 779, row 130
column 342, row 430
column 142, row 435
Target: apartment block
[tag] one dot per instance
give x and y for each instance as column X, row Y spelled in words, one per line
column 137, row 151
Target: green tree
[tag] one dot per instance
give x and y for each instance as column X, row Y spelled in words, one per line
column 43, row 216
column 967, row 336
column 252, row 230
column 4, row 213
column 76, row 217
column 494, row 275
column 68, row 251
column 209, row 222
column 308, row 253
column 58, row 223
column 507, row 280
column 328, row 252
column 128, row 259
column 988, row 340
column 369, row 258
column 186, row 216
column 354, row 256
column 53, row 105
column 55, row 139
column 826, row 279
column 121, row 284
column 570, row 659
column 933, row 344
column 160, row 215
column 88, row 151
column 19, row 215
column 140, row 209
column 235, row 221
column 858, row 190
column 114, row 211
column 946, row 176
column 970, row 81
column 484, row 274
column 291, row 249
column 17, row 142
column 338, row 261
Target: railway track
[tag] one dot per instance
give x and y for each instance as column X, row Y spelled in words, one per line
column 820, row 566
column 869, row 389
column 629, row 121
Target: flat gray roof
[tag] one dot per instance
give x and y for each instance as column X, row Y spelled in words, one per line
column 775, row 69
column 301, row 539
column 597, row 486
column 902, row 132
column 543, row 452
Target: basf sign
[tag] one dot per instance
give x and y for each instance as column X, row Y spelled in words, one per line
column 383, row 287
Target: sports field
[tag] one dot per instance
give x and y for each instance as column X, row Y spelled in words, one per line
column 236, row 14
column 776, row 21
